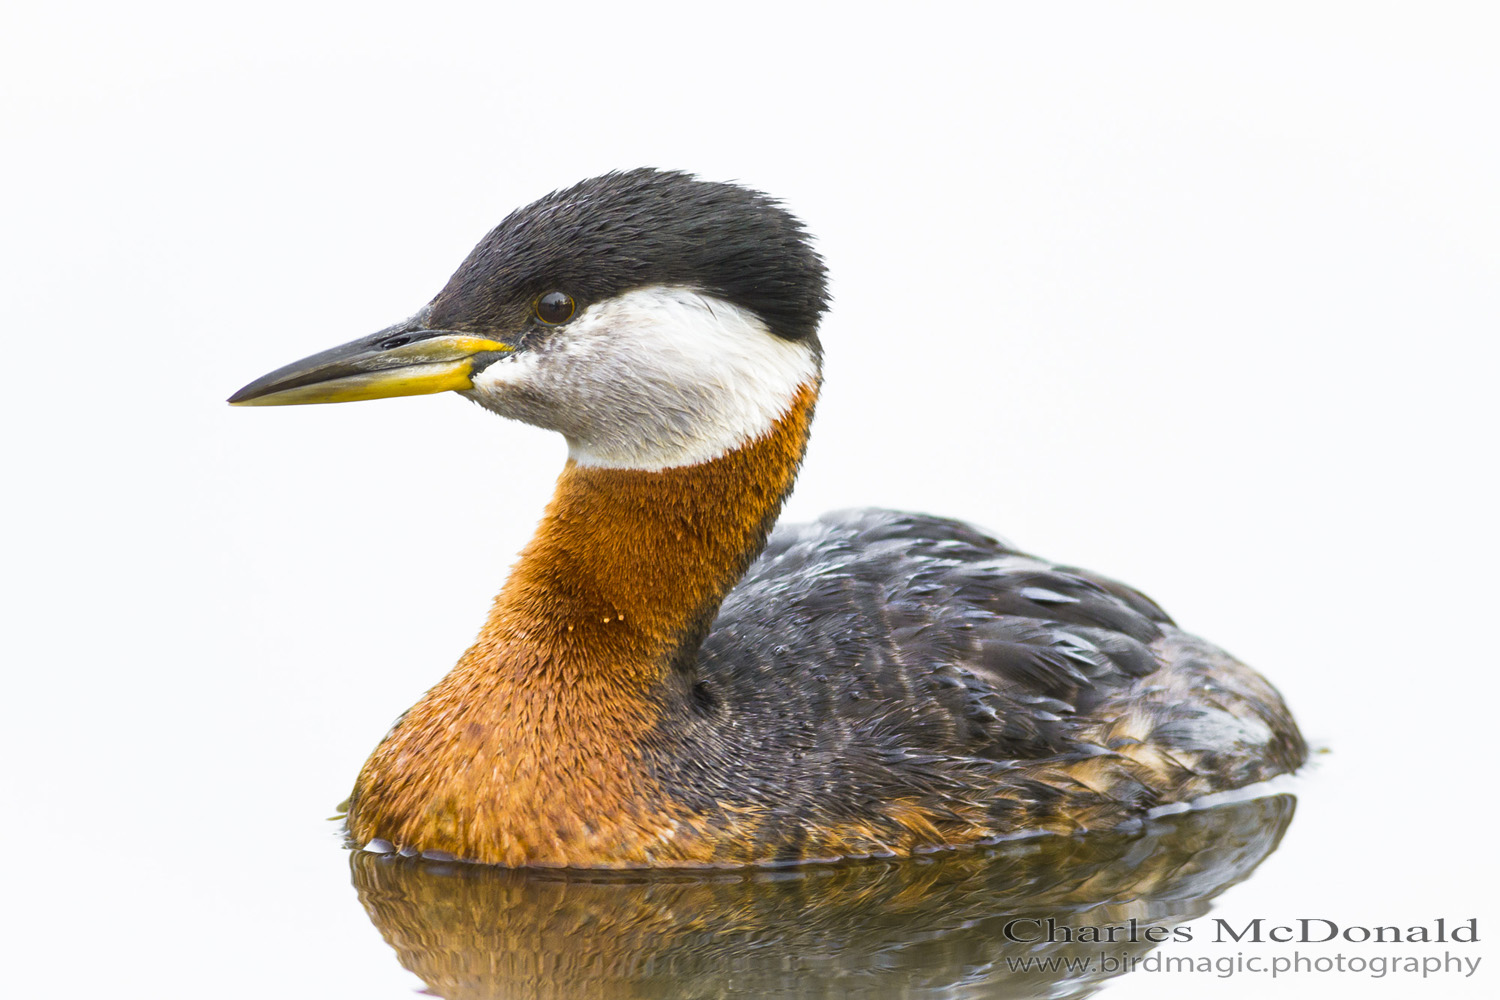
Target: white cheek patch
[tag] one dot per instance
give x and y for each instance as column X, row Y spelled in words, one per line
column 652, row 379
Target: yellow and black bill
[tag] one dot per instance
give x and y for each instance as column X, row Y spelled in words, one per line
column 403, row 360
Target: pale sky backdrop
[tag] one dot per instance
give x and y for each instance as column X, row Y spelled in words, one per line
column 1201, row 296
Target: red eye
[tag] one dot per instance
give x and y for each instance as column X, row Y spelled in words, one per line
column 554, row 308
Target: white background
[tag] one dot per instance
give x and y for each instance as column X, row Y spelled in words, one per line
column 1202, row 296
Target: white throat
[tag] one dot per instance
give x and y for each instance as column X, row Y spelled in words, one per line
column 652, row 379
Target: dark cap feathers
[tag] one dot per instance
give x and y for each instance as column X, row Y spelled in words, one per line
column 633, row 229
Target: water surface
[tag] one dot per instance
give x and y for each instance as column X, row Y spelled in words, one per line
column 1001, row 922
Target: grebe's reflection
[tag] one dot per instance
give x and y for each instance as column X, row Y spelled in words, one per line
column 934, row 926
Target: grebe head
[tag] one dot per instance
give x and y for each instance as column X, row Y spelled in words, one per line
column 654, row 319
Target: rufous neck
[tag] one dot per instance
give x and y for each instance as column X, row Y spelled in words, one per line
column 628, row 567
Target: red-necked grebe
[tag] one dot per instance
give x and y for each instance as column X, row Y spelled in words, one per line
column 664, row 680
